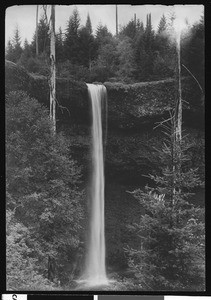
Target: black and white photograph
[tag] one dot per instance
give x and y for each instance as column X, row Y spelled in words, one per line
column 105, row 148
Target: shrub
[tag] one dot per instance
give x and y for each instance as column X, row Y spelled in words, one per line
column 42, row 181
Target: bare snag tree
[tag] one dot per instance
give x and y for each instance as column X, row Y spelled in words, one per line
column 52, row 69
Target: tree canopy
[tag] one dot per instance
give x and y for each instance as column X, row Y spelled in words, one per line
column 152, row 53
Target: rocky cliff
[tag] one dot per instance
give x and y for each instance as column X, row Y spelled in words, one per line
column 129, row 106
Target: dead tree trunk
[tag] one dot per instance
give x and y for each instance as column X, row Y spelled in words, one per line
column 53, row 70
column 116, row 20
column 179, row 98
column 37, row 49
column 177, row 143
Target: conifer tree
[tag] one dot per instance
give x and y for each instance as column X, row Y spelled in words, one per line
column 43, row 37
column 102, row 36
column 14, row 49
column 139, row 26
column 71, row 42
column 129, row 30
column 169, row 252
column 162, row 24
column 89, row 24
column 26, row 54
column 9, row 55
column 59, row 46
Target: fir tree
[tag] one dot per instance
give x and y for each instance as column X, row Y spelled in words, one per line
column 139, row 26
column 169, row 252
column 126, row 65
column 102, row 36
column 26, row 54
column 59, row 46
column 14, row 49
column 43, row 37
column 162, row 24
column 129, row 30
column 89, row 24
column 71, row 42
column 9, row 55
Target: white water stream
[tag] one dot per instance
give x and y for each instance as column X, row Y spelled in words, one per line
column 95, row 269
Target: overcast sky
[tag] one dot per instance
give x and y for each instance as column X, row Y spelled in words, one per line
column 25, row 16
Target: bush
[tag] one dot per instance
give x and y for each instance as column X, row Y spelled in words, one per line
column 22, row 270
column 73, row 71
column 42, row 182
column 38, row 65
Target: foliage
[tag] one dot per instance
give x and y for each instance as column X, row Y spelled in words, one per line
column 192, row 52
column 107, row 58
column 42, row 181
column 138, row 53
column 14, row 49
column 22, row 264
column 71, row 41
column 102, row 35
column 126, row 65
column 169, row 254
column 37, row 65
column 43, row 37
column 129, row 30
column 59, row 46
column 73, row 71
column 26, row 54
column 162, row 26
column 87, row 46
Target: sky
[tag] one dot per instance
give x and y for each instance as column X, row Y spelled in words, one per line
column 24, row 16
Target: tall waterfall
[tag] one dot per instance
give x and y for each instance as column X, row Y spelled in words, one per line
column 95, row 270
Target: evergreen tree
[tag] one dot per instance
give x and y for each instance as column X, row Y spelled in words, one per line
column 71, row 42
column 129, row 30
column 17, row 44
column 9, row 55
column 169, row 251
column 26, row 54
column 125, row 54
column 103, row 36
column 108, row 57
column 87, row 49
column 162, row 24
column 89, row 24
column 148, row 23
column 43, row 38
column 149, row 34
column 139, row 26
column 14, row 49
column 192, row 51
column 59, row 46
column 164, row 62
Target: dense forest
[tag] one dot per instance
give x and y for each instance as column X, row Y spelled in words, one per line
column 163, row 247
column 137, row 54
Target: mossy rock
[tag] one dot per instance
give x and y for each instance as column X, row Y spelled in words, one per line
column 129, row 105
column 71, row 96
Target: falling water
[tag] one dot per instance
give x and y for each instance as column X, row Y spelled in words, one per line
column 95, row 270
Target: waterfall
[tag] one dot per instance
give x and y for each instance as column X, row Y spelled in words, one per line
column 95, row 270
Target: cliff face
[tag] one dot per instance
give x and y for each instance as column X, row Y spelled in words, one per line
column 133, row 111
column 129, row 106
